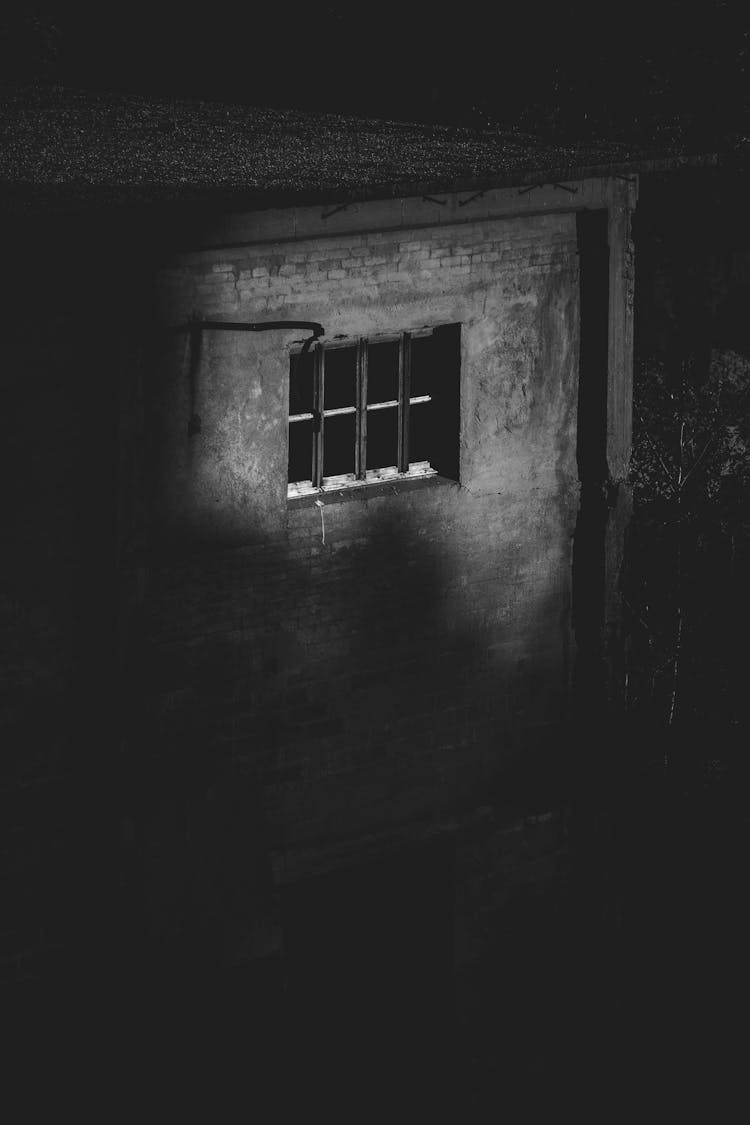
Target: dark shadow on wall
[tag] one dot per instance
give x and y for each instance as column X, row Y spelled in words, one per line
column 274, row 699
column 313, row 682
column 370, row 962
column 194, row 767
column 61, row 345
column 227, row 725
column 233, row 716
column 271, row 699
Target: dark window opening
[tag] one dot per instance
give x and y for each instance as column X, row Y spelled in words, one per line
column 382, row 372
column 339, row 445
column 301, row 384
column 382, row 438
column 300, row 451
column 420, row 429
column 339, row 378
column 375, row 410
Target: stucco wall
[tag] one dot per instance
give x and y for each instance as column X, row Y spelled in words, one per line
column 385, row 674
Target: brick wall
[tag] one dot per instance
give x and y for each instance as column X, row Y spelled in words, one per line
column 512, row 284
column 385, row 678
column 429, row 621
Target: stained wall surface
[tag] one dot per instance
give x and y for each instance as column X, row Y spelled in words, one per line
column 385, row 675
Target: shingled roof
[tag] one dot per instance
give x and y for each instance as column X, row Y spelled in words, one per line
column 65, row 149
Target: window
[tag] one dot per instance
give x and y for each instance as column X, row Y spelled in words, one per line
column 372, row 410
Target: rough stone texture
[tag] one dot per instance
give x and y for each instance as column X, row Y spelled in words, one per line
column 376, row 686
column 513, row 287
column 281, row 705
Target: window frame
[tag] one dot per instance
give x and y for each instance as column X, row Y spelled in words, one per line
column 361, row 409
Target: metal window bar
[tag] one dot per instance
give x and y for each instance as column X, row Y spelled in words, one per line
column 413, row 401
column 404, row 386
column 318, row 383
column 360, row 452
column 362, row 407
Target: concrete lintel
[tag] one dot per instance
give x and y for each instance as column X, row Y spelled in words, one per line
column 408, row 213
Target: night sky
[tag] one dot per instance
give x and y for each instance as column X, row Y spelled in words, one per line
column 590, row 68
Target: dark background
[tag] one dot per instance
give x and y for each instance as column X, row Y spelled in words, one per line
column 661, row 818
column 590, row 68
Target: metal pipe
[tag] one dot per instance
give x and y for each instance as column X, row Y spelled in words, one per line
column 195, row 324
column 259, row 326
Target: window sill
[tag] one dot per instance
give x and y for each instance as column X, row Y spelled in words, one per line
column 368, row 490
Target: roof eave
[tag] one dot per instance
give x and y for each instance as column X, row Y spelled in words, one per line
column 257, row 201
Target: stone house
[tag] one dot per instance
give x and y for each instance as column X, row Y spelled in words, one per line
column 374, row 387
column 383, row 426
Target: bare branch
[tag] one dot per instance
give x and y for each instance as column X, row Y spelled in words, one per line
column 658, row 455
column 696, row 464
column 725, row 420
